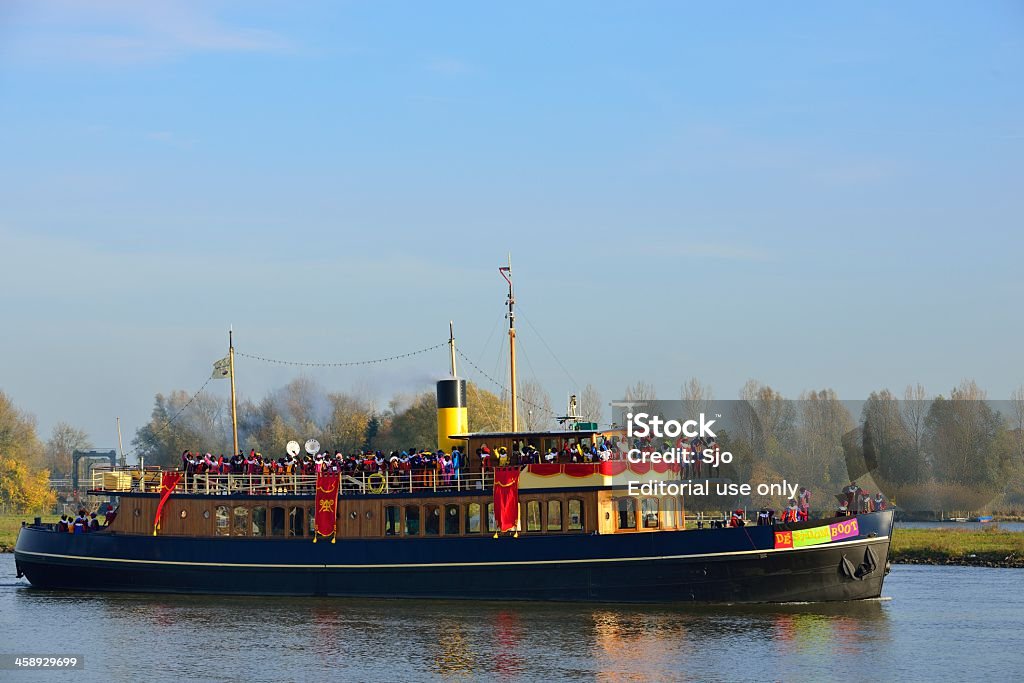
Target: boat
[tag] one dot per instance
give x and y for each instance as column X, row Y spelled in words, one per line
column 502, row 528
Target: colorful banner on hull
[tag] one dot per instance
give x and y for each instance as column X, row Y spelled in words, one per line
column 818, row 535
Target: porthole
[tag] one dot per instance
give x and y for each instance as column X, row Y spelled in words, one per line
column 138, row 512
column 184, row 514
column 206, row 514
column 453, row 511
column 369, row 514
column 353, row 514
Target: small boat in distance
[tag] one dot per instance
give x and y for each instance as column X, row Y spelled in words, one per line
column 505, row 527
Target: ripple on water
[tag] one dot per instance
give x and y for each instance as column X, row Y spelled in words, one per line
column 933, row 622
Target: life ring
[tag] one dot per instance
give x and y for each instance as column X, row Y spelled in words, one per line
column 376, row 482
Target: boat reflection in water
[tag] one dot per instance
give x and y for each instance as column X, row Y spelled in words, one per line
column 360, row 639
column 647, row 644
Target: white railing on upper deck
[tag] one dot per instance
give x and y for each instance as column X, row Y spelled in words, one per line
column 124, row 480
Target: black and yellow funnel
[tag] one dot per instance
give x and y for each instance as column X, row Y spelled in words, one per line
column 452, row 416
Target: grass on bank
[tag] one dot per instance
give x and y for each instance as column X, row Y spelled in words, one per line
column 956, row 546
column 11, row 522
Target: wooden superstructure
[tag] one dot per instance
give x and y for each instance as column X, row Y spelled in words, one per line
column 554, row 498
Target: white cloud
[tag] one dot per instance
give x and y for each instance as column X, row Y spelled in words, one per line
column 126, row 31
column 448, row 66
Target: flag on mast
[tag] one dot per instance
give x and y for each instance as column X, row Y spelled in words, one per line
column 222, row 368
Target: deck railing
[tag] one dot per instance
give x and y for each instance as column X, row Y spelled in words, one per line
column 125, row 480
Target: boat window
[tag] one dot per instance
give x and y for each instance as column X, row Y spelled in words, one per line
column 297, row 522
column 259, row 521
column 310, row 521
column 412, row 520
column 277, row 521
column 575, row 514
column 668, row 507
column 432, row 523
column 627, row 512
column 223, row 524
column 533, row 515
column 554, row 515
column 649, row 508
column 473, row 518
column 492, row 524
column 451, row 520
column 392, row 520
column 241, row 521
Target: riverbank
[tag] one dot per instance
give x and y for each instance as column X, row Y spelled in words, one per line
column 11, row 523
column 986, row 548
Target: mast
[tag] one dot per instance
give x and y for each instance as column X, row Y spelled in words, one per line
column 451, row 344
column 120, row 445
column 506, row 272
column 234, row 408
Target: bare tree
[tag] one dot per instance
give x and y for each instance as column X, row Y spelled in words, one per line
column 591, row 406
column 1017, row 401
column 641, row 392
column 696, row 398
column 960, row 433
column 62, row 444
column 823, row 422
column 534, row 410
column 915, row 407
column 774, row 414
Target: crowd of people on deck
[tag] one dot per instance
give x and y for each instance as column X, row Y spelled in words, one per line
column 602, row 451
column 443, row 469
column 853, row 500
column 448, row 465
column 445, row 463
column 85, row 522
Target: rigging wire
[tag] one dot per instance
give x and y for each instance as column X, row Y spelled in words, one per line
column 340, row 365
column 544, row 342
column 152, row 438
column 487, row 344
column 500, row 385
column 536, row 381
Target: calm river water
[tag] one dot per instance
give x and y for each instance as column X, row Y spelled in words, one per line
column 935, row 623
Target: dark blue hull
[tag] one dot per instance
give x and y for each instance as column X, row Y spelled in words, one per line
column 719, row 565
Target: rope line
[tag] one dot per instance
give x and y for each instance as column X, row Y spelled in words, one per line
column 502, row 386
column 545, row 343
column 152, row 438
column 340, row 365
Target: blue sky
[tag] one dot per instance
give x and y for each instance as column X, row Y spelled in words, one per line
column 811, row 195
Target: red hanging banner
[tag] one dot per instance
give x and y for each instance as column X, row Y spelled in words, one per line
column 506, row 498
column 581, row 469
column 326, row 511
column 613, row 467
column 168, row 481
